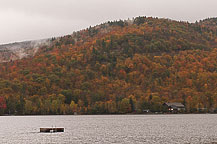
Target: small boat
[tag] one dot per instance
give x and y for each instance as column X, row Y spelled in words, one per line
column 51, row 130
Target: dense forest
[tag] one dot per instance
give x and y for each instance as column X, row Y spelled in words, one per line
column 116, row 68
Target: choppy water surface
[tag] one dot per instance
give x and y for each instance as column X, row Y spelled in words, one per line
column 111, row 129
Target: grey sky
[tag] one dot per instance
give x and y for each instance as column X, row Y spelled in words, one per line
column 37, row 19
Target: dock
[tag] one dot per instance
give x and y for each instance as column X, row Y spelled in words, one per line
column 51, row 130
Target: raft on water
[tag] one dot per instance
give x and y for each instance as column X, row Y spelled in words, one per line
column 51, row 130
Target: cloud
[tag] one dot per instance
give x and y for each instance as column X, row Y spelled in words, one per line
column 36, row 19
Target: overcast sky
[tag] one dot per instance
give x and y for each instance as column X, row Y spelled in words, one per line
column 37, row 19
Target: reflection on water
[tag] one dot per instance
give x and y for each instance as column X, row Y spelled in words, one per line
column 111, row 129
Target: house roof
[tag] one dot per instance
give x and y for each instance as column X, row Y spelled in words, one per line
column 178, row 105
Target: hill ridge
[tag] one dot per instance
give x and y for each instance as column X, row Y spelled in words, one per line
column 116, row 68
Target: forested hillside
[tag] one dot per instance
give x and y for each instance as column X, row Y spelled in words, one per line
column 117, row 67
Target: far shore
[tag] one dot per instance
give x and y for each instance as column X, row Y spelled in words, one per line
column 114, row 114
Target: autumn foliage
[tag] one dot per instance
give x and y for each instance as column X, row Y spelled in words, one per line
column 117, row 67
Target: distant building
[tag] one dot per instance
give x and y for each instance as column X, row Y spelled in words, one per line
column 174, row 107
column 146, row 111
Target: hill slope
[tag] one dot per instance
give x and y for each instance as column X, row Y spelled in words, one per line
column 116, row 67
column 19, row 50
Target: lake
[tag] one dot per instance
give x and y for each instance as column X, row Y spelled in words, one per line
column 102, row 129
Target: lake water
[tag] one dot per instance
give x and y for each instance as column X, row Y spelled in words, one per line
column 102, row 129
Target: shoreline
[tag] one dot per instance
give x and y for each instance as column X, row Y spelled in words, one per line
column 114, row 114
